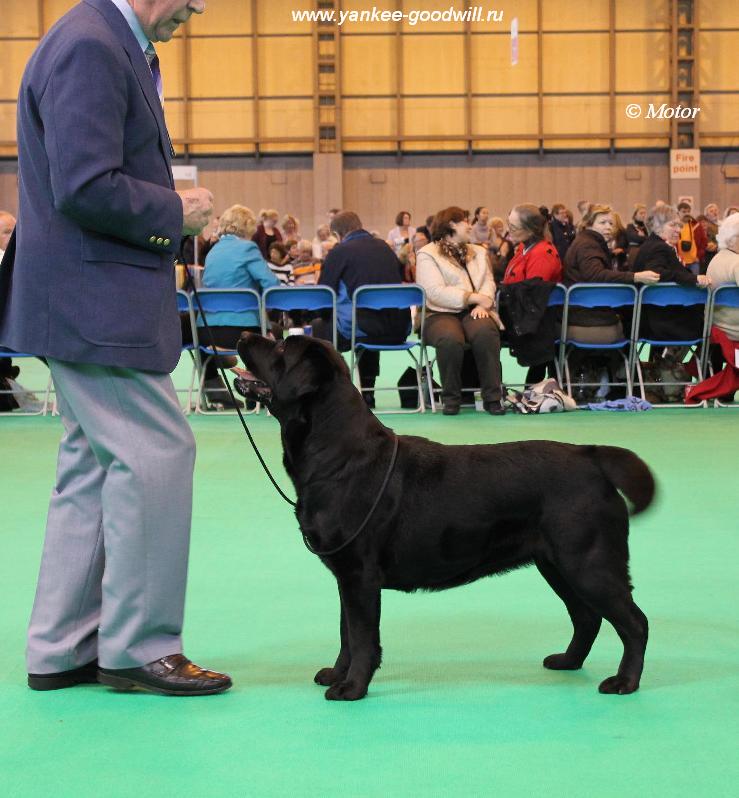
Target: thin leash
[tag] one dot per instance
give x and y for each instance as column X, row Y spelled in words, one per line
column 236, row 402
column 391, row 466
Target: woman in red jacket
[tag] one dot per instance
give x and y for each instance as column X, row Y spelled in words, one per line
column 536, row 255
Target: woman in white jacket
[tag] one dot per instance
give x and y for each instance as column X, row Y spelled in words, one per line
column 460, row 309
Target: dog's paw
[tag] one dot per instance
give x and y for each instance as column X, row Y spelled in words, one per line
column 619, row 685
column 562, row 662
column 346, row 691
column 328, row 676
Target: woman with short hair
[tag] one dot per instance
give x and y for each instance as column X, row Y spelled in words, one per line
column 588, row 260
column 402, row 233
column 460, row 305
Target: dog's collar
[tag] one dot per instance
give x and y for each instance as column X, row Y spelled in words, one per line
column 372, row 509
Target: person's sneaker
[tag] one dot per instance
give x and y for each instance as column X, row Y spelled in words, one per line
column 494, row 408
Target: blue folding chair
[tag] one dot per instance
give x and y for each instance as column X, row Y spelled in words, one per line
column 722, row 296
column 213, row 300
column 184, row 305
column 47, row 393
column 384, row 297
column 299, row 297
column 663, row 295
column 598, row 295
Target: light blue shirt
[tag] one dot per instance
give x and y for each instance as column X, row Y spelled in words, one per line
column 133, row 22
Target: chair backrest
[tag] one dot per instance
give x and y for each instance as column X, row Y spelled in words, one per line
column 558, row 296
column 726, row 295
column 663, row 294
column 601, row 295
column 381, row 297
column 183, row 301
column 299, row 297
column 233, row 300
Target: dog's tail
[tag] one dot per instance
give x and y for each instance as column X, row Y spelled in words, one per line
column 629, row 473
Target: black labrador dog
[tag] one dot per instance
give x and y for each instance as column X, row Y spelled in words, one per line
column 406, row 513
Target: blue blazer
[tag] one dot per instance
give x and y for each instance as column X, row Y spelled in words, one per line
column 98, row 219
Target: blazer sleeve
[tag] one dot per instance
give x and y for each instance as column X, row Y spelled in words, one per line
column 258, row 268
column 331, row 270
column 437, row 291
column 84, row 121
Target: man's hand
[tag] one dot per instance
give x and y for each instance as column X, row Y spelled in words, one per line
column 197, row 208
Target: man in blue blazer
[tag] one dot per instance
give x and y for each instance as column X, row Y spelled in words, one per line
column 92, row 290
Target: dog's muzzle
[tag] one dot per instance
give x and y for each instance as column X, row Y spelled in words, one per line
column 250, row 387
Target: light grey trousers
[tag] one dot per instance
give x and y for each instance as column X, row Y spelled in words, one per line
column 114, row 564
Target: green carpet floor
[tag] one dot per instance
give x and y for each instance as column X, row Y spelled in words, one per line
column 461, row 706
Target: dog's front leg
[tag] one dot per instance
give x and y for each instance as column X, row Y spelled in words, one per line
column 360, row 600
column 329, row 676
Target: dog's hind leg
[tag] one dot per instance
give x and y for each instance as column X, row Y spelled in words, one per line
column 585, row 621
column 329, row 676
column 360, row 600
column 606, row 589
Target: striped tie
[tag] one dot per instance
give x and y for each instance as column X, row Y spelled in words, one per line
column 153, row 59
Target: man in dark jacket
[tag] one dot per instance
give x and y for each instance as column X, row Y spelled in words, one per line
column 563, row 232
column 361, row 259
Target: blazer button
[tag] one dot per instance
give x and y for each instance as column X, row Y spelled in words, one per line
column 160, row 241
column 167, row 242
column 153, row 240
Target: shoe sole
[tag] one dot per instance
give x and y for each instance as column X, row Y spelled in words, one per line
column 123, row 683
column 43, row 683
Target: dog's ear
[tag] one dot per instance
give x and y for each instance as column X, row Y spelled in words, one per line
column 308, row 367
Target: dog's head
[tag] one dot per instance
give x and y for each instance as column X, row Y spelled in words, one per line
column 286, row 375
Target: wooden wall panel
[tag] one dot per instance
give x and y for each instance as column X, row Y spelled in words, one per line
column 20, row 20
column 7, row 129
column 575, row 62
column 224, row 18
column 722, row 14
column 505, row 115
column 369, row 65
column 216, row 119
column 285, row 67
column 638, row 14
column 432, row 64
column 642, row 62
column 15, row 55
column 718, row 53
column 575, row 16
column 221, row 68
column 53, row 9
column 491, row 68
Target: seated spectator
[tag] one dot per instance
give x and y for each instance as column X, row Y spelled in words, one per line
column 500, row 248
column 724, row 269
column 361, row 259
column 323, row 242
column 658, row 255
column 290, row 227
column 562, row 229
column 535, row 254
column 407, row 256
column 710, row 223
column 267, row 233
column 618, row 244
column 588, row 260
column 460, row 304
column 305, row 267
column 691, row 246
column 480, row 231
column 731, row 209
column 636, row 232
column 402, row 233
column 279, row 264
column 234, row 262
column 535, row 257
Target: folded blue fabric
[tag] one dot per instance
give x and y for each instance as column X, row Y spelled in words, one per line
column 631, row 404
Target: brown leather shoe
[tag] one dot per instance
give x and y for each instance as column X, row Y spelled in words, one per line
column 85, row 674
column 172, row 675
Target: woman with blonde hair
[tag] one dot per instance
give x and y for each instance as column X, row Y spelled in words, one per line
column 290, row 227
column 267, row 232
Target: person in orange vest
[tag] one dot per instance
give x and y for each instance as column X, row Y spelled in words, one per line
column 691, row 247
